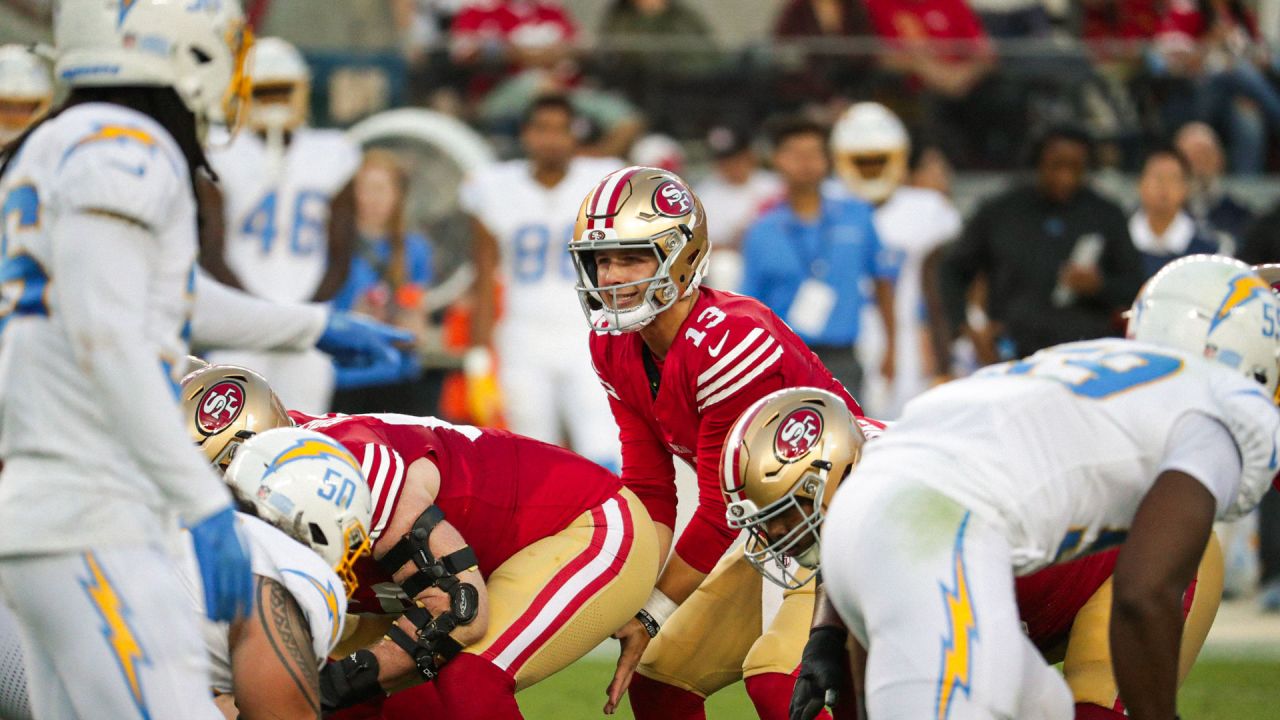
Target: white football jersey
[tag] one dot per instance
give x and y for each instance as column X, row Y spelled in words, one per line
column 1060, row 448
column 911, row 223
column 277, row 219
column 533, row 225
column 72, row 477
column 312, row 583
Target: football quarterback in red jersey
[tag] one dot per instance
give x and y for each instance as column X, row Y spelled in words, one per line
column 782, row 463
column 680, row 362
column 497, row 560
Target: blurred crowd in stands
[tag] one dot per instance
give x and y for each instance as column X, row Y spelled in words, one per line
column 826, row 152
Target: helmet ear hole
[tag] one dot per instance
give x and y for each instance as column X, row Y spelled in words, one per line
column 201, row 56
column 317, row 535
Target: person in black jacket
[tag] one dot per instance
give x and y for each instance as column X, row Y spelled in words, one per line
column 1057, row 256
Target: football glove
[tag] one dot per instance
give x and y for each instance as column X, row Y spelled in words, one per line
column 224, row 566
column 364, row 351
column 822, row 669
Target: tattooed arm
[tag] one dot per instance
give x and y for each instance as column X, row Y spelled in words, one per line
column 273, row 667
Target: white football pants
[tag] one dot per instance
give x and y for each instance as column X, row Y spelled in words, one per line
column 927, row 587
column 108, row 634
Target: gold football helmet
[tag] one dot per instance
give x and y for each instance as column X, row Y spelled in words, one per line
column 782, row 462
column 869, row 145
column 639, row 208
column 226, row 405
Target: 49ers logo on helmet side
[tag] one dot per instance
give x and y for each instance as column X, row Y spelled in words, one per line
column 797, row 434
column 220, row 407
column 672, row 199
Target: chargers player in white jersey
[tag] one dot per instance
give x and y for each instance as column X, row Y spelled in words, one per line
column 267, row 665
column 869, row 145
column 99, row 249
column 26, row 92
column 1143, row 441
column 287, row 210
column 521, row 235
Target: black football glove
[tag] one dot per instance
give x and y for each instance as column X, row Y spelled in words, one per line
column 349, row 681
column 822, row 671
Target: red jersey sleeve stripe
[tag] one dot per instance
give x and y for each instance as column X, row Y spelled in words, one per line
column 759, row 369
column 729, row 357
column 391, row 493
column 871, row 429
column 384, row 471
column 746, row 364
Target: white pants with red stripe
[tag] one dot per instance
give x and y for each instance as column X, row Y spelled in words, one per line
column 558, row 598
column 927, row 587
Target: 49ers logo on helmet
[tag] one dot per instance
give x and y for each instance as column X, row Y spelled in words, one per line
column 219, row 407
column 672, row 199
column 797, row 434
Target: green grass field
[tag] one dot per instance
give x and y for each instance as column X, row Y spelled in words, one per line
column 1218, row 689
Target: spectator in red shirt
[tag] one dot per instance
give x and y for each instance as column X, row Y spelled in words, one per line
column 942, row 47
column 500, row 37
column 940, row 42
column 1215, row 44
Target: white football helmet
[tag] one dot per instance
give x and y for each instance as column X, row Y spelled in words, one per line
column 1214, row 306
column 197, row 47
column 281, row 86
column 869, row 145
column 25, row 90
column 309, row 486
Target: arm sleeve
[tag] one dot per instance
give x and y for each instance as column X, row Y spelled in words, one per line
column 647, row 468
column 1204, row 448
column 961, row 262
column 224, row 317
column 708, row 535
column 101, row 289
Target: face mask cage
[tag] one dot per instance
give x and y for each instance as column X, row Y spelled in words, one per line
column 228, row 452
column 776, row 559
column 355, row 543
column 600, row 305
column 237, row 96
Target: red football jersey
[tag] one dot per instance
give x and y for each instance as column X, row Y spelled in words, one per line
column 1050, row 599
column 501, row 491
column 730, row 352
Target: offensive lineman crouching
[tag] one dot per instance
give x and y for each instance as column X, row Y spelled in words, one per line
column 520, row 556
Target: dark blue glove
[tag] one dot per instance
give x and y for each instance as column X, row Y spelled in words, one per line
column 364, row 351
column 224, row 567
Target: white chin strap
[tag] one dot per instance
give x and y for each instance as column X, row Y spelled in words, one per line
column 627, row 320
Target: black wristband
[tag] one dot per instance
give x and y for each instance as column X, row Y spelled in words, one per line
column 651, row 625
